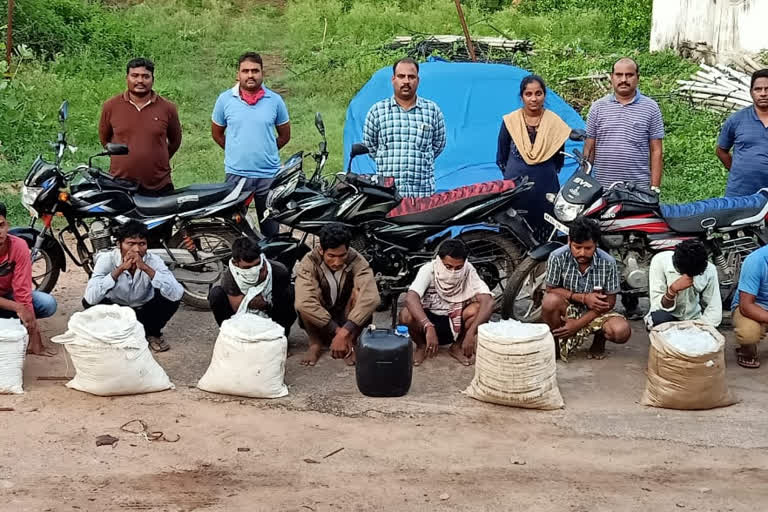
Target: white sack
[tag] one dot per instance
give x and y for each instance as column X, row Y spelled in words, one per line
column 248, row 359
column 13, row 347
column 110, row 353
column 515, row 366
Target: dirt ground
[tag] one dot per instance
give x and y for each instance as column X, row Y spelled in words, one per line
column 433, row 449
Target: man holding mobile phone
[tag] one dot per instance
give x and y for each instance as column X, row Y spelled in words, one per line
column 582, row 283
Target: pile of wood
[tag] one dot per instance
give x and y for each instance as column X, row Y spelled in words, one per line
column 717, row 88
column 454, row 48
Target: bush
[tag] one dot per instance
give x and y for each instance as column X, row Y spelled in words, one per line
column 53, row 27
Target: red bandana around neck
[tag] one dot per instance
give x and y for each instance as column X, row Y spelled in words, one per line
column 252, row 98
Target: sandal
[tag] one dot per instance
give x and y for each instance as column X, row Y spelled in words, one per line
column 747, row 361
column 158, row 344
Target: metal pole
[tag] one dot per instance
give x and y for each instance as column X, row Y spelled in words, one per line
column 9, row 38
column 470, row 47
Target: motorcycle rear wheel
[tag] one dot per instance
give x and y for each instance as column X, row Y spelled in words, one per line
column 525, row 291
column 209, row 240
column 495, row 258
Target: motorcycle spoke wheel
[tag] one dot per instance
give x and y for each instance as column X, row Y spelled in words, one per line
column 526, row 290
column 213, row 246
column 42, row 271
column 494, row 257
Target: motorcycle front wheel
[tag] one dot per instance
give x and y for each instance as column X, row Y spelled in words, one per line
column 525, row 291
column 212, row 245
column 45, row 273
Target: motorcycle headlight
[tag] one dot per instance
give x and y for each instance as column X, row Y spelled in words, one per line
column 28, row 197
column 566, row 211
column 281, row 191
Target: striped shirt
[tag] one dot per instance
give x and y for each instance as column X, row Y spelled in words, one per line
column 563, row 272
column 622, row 136
column 405, row 143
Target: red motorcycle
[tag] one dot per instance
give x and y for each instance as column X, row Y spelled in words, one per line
column 634, row 228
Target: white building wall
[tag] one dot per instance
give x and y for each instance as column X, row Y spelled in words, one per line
column 727, row 26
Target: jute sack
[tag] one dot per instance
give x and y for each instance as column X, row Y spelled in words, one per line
column 110, row 353
column 515, row 366
column 248, row 359
column 680, row 381
column 13, row 347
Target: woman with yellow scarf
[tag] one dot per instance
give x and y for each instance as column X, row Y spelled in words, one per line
column 530, row 143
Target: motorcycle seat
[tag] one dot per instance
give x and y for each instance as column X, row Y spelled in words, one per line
column 436, row 208
column 715, row 213
column 183, row 199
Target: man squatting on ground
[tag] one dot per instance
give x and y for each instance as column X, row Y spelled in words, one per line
column 445, row 305
column 336, row 295
column 253, row 284
column 582, row 283
column 130, row 276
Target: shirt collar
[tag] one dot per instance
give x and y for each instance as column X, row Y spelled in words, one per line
column 393, row 102
column 152, row 99
column 236, row 91
column 638, row 96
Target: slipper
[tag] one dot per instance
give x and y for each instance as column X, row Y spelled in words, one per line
column 746, row 361
column 158, row 344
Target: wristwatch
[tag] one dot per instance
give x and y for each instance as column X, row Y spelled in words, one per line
column 656, row 189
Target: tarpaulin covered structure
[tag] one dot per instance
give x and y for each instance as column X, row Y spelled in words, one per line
column 473, row 97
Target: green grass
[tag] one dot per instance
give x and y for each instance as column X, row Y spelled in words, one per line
column 328, row 54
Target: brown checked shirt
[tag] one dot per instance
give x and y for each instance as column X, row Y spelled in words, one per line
column 152, row 133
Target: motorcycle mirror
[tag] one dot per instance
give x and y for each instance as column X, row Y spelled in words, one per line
column 115, row 149
column 319, row 124
column 578, row 135
column 550, row 197
column 358, row 149
column 64, row 111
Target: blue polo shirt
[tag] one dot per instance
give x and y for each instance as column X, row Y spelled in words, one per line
column 745, row 133
column 754, row 278
column 622, row 136
column 251, row 145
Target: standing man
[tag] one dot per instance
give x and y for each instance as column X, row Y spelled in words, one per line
column 406, row 133
column 253, row 284
column 683, row 286
column 148, row 124
column 446, row 304
column 746, row 132
column 582, row 283
column 336, row 295
column 244, row 122
column 17, row 298
column 625, row 132
column 750, row 307
column 130, row 276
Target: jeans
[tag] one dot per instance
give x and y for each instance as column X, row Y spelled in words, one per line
column 43, row 303
column 153, row 315
column 282, row 311
column 260, row 188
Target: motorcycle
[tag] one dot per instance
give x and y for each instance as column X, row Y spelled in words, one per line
column 634, row 228
column 397, row 236
column 191, row 229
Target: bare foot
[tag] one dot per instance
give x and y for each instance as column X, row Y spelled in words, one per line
column 41, row 350
column 312, row 355
column 419, row 355
column 351, row 359
column 597, row 350
column 458, row 354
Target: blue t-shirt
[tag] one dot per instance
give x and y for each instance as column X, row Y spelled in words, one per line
column 251, row 146
column 754, row 278
column 745, row 133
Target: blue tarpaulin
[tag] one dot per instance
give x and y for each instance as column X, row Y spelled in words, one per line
column 473, row 97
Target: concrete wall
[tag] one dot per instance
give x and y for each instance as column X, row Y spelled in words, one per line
column 727, row 26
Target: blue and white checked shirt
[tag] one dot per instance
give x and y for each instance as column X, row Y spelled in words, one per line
column 405, row 143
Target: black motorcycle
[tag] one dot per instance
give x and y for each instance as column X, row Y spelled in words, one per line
column 191, row 229
column 398, row 235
